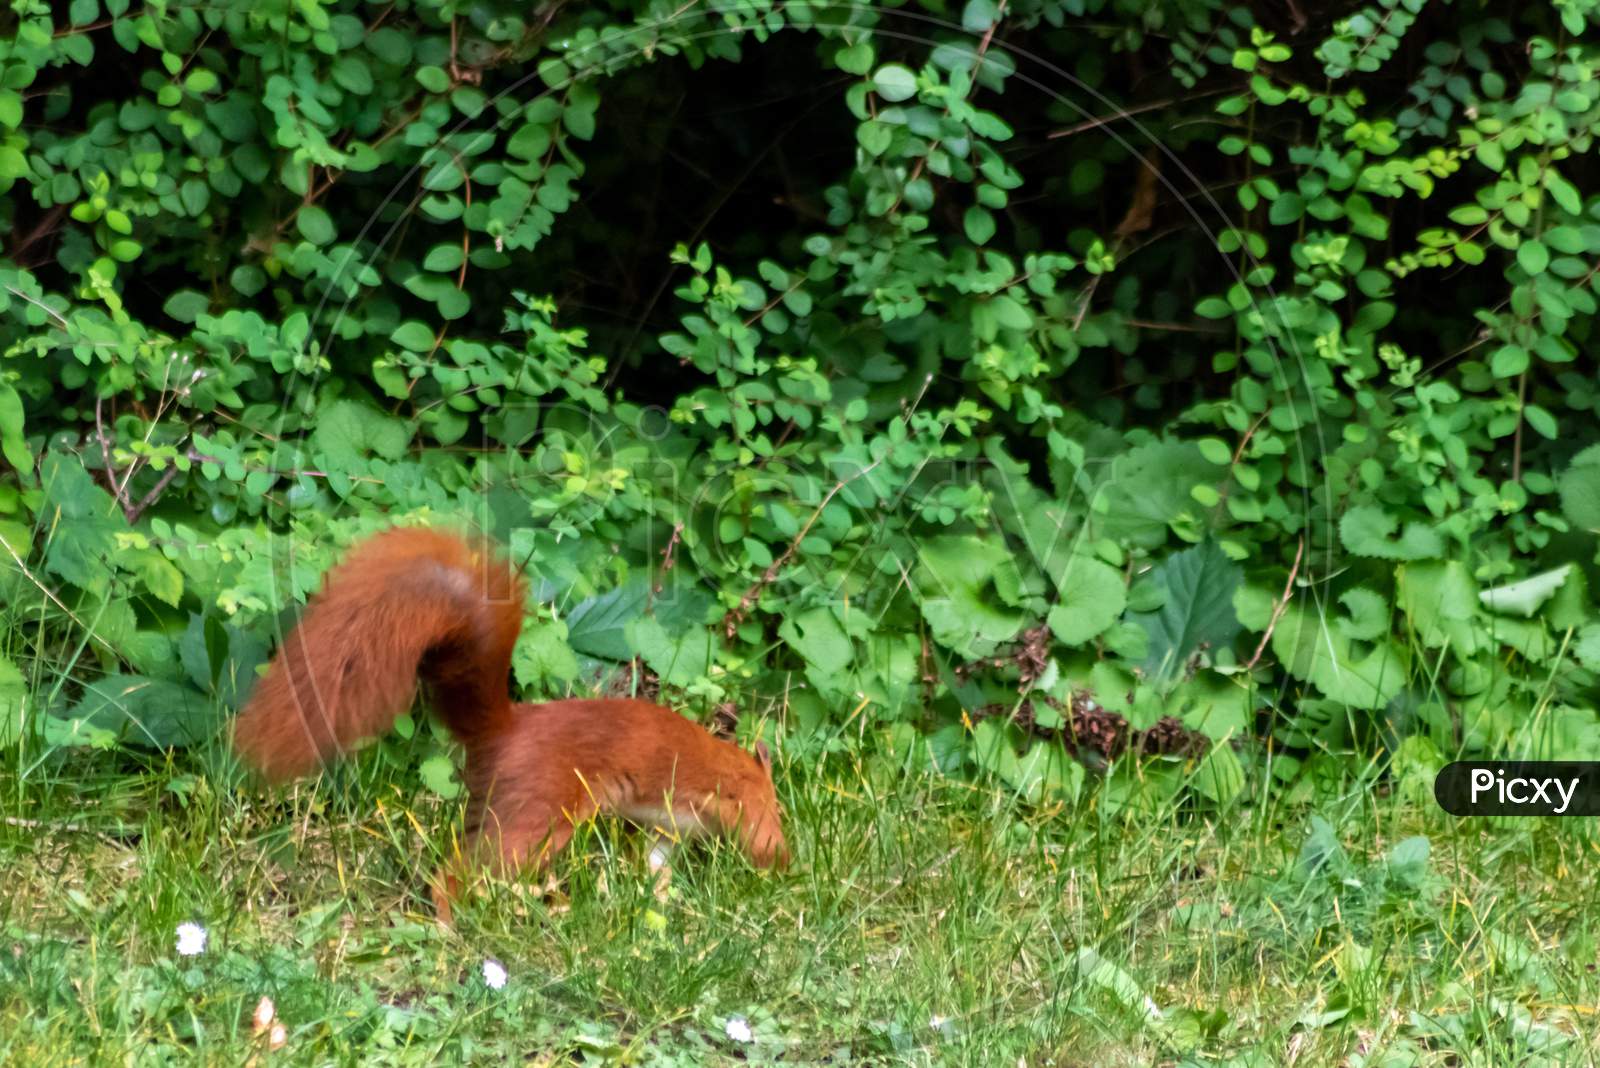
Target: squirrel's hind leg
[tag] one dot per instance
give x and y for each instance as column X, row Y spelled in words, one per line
column 506, row 845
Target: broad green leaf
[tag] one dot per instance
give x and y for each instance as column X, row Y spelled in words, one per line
column 83, row 523
column 1148, row 493
column 349, row 432
column 13, row 703
column 1092, row 598
column 542, row 655
column 1322, row 655
column 967, row 588
column 1525, row 597
column 1368, row 530
column 1219, row 777
column 13, row 445
column 438, row 774
column 679, row 660
column 1196, row 612
column 155, row 713
column 1580, row 490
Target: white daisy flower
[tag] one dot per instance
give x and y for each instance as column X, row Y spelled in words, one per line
column 494, row 974
column 738, row 1029
column 191, row 940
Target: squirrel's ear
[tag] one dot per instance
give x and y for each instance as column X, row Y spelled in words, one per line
column 764, row 756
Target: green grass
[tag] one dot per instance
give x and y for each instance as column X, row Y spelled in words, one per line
column 924, row 922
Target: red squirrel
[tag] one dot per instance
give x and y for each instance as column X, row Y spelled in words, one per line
column 415, row 603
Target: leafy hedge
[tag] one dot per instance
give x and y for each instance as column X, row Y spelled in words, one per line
column 951, row 372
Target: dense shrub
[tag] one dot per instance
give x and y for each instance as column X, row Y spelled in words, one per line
column 904, row 368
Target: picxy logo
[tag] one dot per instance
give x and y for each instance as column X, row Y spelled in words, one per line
column 1519, row 788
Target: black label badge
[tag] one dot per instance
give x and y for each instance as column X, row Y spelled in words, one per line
column 1519, row 788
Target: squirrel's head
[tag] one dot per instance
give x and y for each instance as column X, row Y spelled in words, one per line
column 761, row 821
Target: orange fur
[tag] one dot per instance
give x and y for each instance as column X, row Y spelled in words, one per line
column 414, row 604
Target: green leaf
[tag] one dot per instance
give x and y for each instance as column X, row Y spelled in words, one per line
column 598, row 626
column 1508, row 361
column 13, row 704
column 1440, row 600
column 349, row 432
column 1197, row 611
column 155, row 713
column 1579, row 486
column 13, row 445
column 1369, row 615
column 1219, row 777
column 1587, row 647
column 967, row 588
column 542, row 655
column 1092, row 598
column 979, row 225
column 979, row 15
column 201, row 81
column 220, row 658
column 1533, row 257
column 186, row 305
column 856, row 59
column 680, row 660
column 530, row 142
column 1148, row 493
column 248, row 279
column 1408, row 861
column 1309, row 649
column 1368, row 530
column 413, row 335
column 158, row 574
column 315, row 225
column 195, row 196
column 818, row 637
column 433, row 79
column 1043, row 772
column 895, row 82
column 390, row 45
column 1525, row 597
column 352, row 74
column 83, row 523
column 1096, row 971
column 438, row 774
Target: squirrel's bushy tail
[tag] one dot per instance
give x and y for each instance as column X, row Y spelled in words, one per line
column 405, row 605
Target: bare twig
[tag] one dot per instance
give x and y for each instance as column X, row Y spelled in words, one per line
column 70, row 828
column 19, row 294
column 734, row 618
column 105, row 454
column 1516, row 440
column 133, row 512
column 1128, row 113
column 1277, row 609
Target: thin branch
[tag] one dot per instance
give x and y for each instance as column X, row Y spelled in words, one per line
column 1277, row 609
column 133, row 512
column 105, row 455
column 1128, row 113
column 735, row 617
